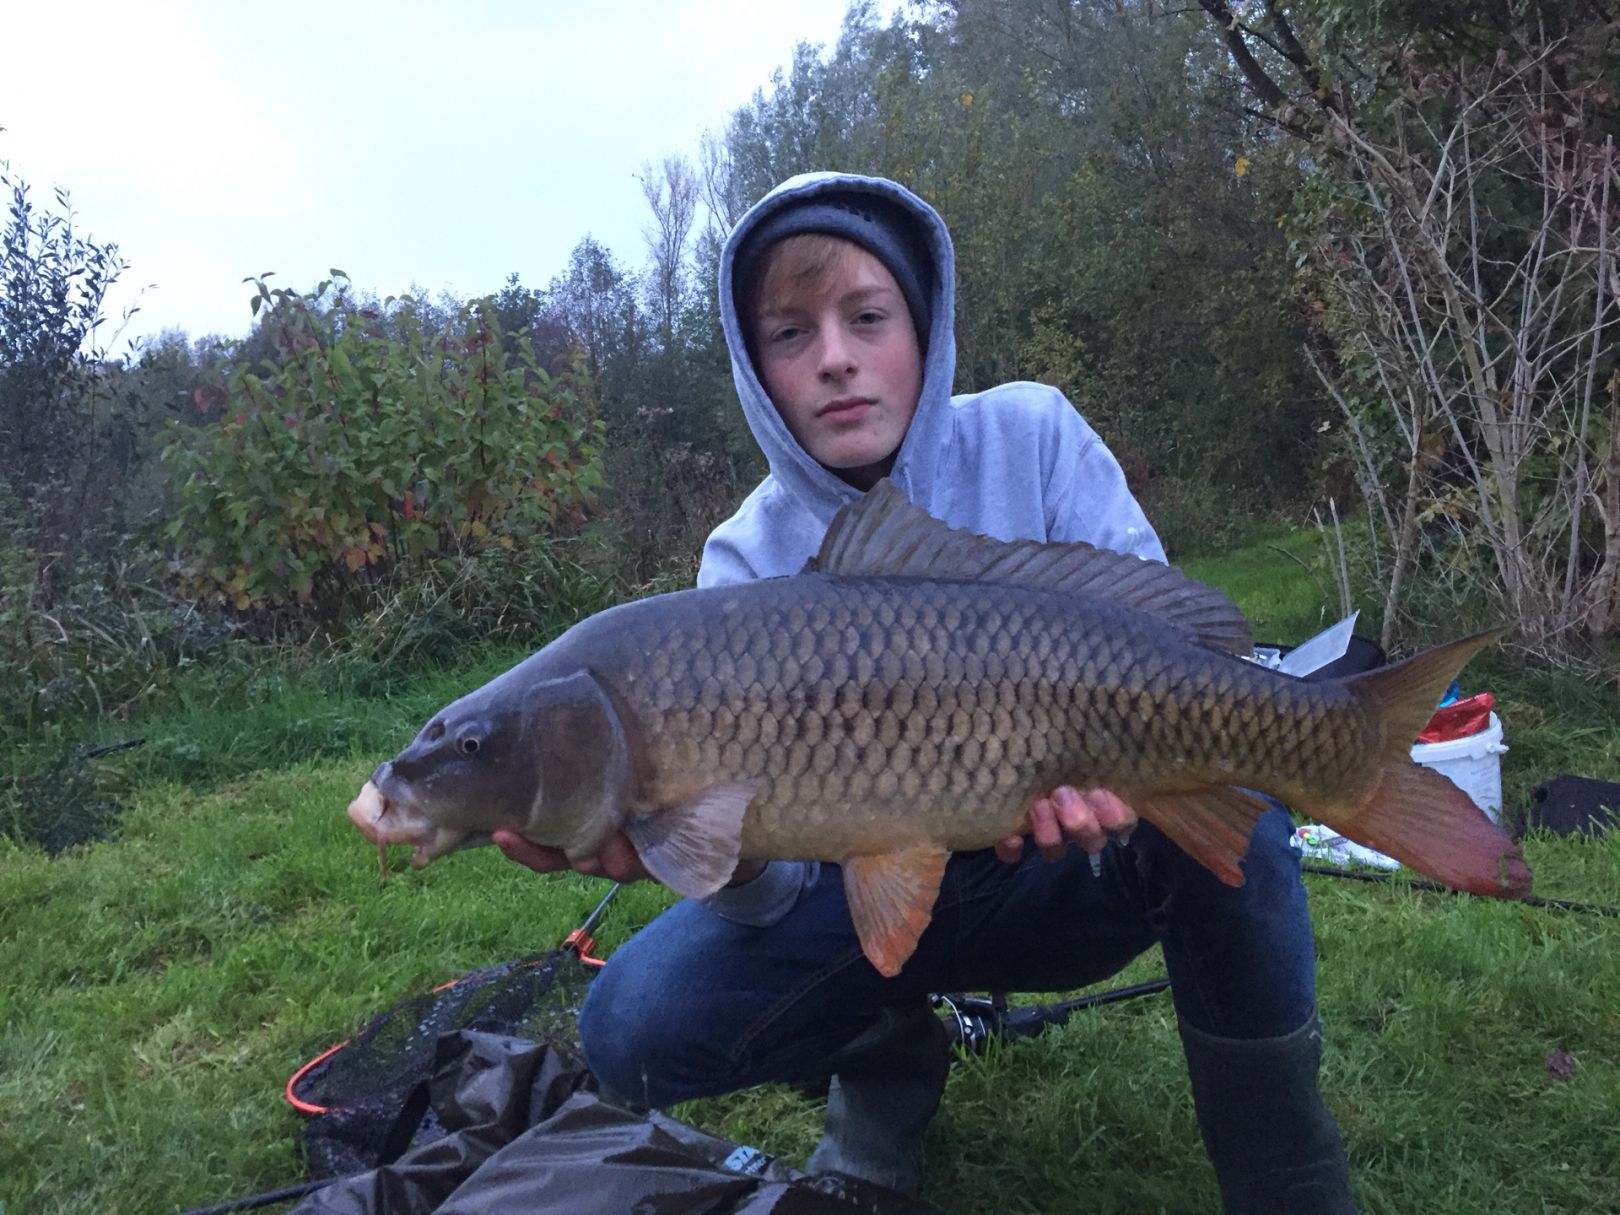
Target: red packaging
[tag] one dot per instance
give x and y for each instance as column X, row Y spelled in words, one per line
column 1459, row 719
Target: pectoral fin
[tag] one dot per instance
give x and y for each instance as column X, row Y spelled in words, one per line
column 891, row 898
column 1210, row 825
column 693, row 848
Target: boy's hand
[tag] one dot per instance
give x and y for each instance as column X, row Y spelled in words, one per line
column 1089, row 817
column 616, row 859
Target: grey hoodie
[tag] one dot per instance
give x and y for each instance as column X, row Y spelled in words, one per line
column 1014, row 462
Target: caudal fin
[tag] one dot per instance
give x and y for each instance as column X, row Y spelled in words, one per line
column 1404, row 694
column 1413, row 813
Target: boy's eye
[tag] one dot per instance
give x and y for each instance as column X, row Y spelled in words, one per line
column 786, row 333
column 869, row 316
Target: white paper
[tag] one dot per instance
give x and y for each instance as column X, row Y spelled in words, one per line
column 1327, row 646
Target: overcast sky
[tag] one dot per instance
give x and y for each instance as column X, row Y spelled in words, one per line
column 446, row 145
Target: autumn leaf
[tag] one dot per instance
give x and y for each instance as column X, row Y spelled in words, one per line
column 1560, row 1064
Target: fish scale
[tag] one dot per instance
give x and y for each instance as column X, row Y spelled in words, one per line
column 971, row 698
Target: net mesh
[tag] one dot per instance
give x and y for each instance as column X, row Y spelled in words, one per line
column 362, row 1087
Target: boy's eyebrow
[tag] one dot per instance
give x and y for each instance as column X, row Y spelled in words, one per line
column 769, row 308
column 860, row 293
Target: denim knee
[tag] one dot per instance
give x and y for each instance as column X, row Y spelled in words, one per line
column 1269, row 863
column 1241, row 959
column 633, row 1041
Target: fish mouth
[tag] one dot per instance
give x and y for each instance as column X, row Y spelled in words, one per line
column 384, row 820
column 379, row 821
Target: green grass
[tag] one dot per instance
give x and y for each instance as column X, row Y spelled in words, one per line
column 1278, row 580
column 160, row 986
column 1439, row 1011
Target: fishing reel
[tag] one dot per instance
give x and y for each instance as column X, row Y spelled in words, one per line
column 971, row 1022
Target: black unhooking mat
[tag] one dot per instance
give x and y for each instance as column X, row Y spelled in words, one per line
column 526, row 1131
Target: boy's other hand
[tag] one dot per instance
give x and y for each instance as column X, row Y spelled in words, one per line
column 1089, row 817
column 616, row 859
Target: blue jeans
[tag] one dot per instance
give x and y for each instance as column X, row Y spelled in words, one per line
column 695, row 1005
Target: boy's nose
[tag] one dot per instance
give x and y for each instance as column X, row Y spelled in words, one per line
column 836, row 356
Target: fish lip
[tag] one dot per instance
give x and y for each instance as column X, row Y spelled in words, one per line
column 368, row 810
column 843, row 403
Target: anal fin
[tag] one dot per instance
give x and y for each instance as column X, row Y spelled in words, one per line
column 891, row 899
column 1210, row 825
column 693, row 848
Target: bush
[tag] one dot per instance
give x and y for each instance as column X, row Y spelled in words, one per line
column 376, row 448
column 1196, row 518
column 54, row 378
column 82, row 635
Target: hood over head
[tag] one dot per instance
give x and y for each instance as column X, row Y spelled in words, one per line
column 908, row 236
column 883, row 228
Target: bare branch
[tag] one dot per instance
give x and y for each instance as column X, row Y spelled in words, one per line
column 1485, row 331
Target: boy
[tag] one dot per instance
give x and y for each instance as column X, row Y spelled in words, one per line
column 837, row 294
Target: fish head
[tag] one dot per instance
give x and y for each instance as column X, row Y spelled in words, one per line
column 546, row 758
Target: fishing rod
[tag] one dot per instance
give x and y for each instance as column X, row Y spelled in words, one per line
column 1530, row 900
column 973, row 1022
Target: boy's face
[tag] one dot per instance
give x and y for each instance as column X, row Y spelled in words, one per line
column 838, row 355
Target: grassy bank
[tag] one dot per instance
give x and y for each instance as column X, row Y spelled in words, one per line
column 160, row 986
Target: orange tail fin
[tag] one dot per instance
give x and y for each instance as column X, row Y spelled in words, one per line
column 1413, row 813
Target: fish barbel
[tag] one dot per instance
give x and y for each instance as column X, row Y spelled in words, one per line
column 909, row 695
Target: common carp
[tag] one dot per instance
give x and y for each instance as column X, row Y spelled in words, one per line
column 909, row 695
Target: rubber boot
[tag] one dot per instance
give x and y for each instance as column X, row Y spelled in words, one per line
column 1274, row 1145
column 886, row 1085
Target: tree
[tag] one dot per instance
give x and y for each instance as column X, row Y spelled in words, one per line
column 53, row 283
column 1456, row 225
column 1469, row 270
column 528, row 323
column 671, row 192
column 1109, row 241
column 596, row 301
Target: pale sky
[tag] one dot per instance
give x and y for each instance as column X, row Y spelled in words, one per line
column 446, row 145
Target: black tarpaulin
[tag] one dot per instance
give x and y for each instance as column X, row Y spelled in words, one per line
column 1569, row 804
column 526, row 1131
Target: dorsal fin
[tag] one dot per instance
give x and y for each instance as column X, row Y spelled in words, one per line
column 883, row 534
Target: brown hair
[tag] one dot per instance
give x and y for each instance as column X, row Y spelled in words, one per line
column 794, row 263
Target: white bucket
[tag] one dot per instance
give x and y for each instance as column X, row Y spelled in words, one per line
column 1472, row 763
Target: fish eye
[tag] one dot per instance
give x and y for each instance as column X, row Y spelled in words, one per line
column 469, row 745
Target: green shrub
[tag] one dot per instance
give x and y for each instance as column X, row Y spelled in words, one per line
column 1196, row 518
column 375, row 447
column 84, row 636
